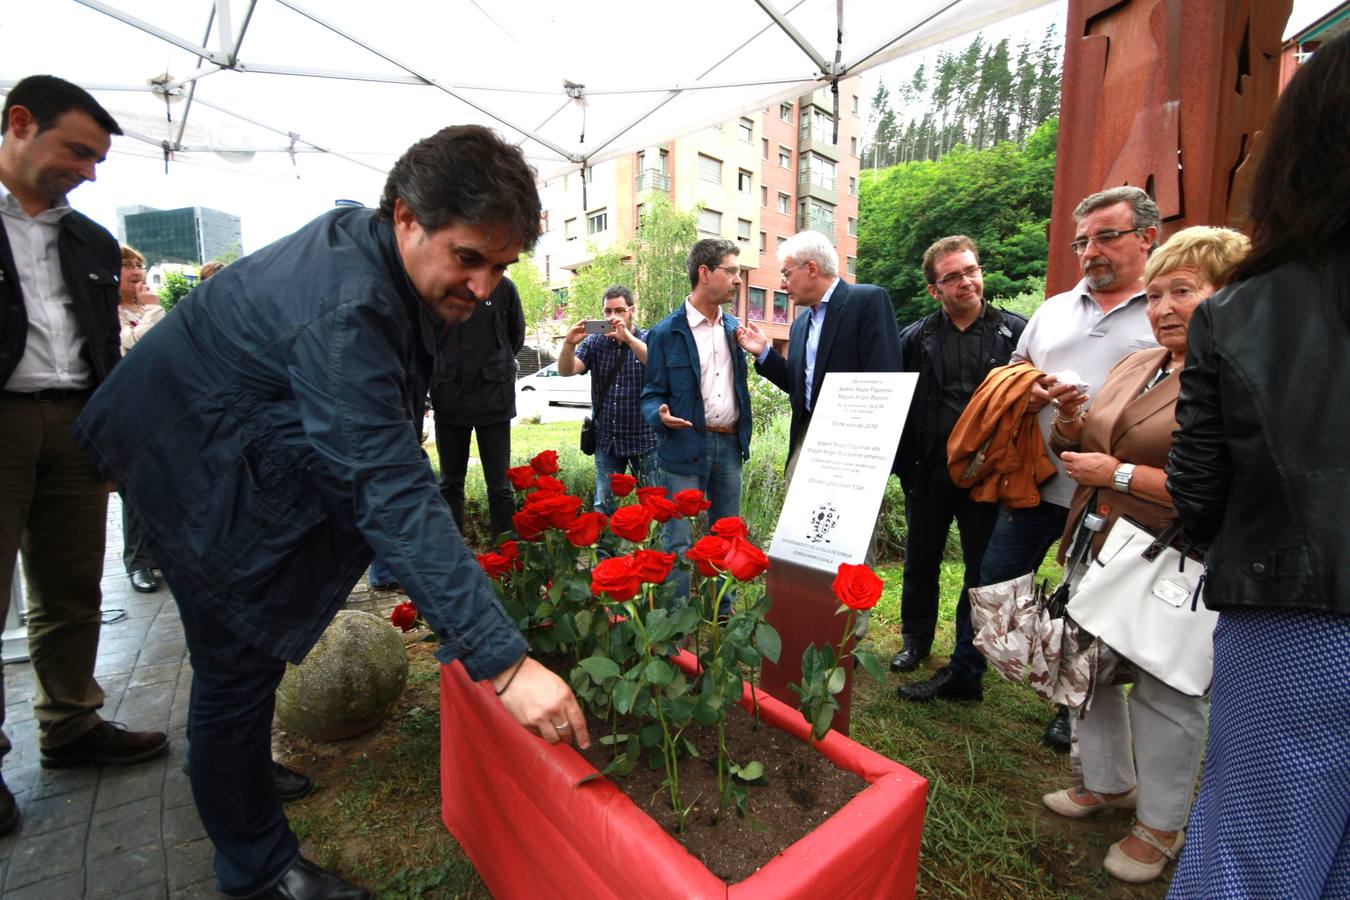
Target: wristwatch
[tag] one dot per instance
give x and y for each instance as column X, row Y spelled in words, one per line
column 1121, row 479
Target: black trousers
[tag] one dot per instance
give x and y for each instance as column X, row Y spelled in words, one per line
column 135, row 551
column 928, row 517
column 494, row 453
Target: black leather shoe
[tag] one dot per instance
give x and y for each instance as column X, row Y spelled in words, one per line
column 306, row 881
column 291, row 785
column 1059, row 734
column 945, row 685
column 910, row 655
column 144, row 580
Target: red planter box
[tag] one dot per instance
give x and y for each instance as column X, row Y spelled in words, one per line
column 512, row 803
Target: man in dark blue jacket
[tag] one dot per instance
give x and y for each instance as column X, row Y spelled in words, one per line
column 268, row 431
column 695, row 395
column 952, row 350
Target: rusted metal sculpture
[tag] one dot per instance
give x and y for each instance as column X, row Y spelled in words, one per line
column 1168, row 95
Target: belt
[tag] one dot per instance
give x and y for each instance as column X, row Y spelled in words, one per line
column 47, row 395
column 722, row 429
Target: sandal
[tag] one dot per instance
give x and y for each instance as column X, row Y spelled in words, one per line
column 1123, row 867
column 1062, row 803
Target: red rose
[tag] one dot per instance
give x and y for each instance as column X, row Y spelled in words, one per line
column 730, row 527
column 857, row 587
column 652, row 566
column 690, row 502
column 708, row 553
column 529, row 524
column 662, row 510
column 511, row 551
column 545, row 463
column 744, row 560
column 558, row 509
column 585, row 529
column 632, row 523
column 621, row 484
column 646, row 493
column 546, row 484
column 404, row 616
column 521, row 477
column 494, row 564
column 616, row 578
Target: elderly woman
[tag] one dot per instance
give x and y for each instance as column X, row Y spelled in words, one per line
column 1116, row 453
column 1260, row 474
column 137, row 310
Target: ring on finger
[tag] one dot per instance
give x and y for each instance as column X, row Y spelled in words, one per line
column 563, row 727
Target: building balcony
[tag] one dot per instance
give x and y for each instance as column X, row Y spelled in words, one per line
column 818, row 185
column 652, row 180
column 813, row 138
column 817, row 222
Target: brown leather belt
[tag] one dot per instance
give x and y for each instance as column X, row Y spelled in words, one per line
column 723, row 429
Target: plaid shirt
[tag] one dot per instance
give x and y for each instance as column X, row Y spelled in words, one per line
column 619, row 427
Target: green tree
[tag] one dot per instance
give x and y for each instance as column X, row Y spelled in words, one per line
column 588, row 284
column 1000, row 197
column 175, row 288
column 660, row 249
column 230, row 254
column 536, row 300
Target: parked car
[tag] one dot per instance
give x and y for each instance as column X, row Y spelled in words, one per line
column 556, row 390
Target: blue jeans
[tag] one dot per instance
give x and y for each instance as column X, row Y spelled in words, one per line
column 1018, row 545
column 230, row 726
column 719, row 478
column 643, row 466
column 379, row 575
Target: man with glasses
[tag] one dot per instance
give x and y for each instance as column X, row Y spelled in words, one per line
column 695, row 396
column 58, row 342
column 616, row 361
column 952, row 350
column 1086, row 331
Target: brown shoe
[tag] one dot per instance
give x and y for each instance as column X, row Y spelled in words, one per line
column 9, row 810
column 107, row 743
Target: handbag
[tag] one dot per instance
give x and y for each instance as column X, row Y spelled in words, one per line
column 588, row 424
column 1141, row 597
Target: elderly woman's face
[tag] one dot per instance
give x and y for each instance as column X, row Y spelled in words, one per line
column 1172, row 297
column 132, row 280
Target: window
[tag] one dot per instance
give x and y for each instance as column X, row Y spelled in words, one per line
column 764, row 196
column 785, row 112
column 784, row 204
column 665, row 162
column 743, row 227
column 765, row 143
column 710, row 221
column 853, row 146
column 816, row 216
column 597, row 222
column 853, row 226
column 853, row 185
column 590, row 174
column 780, row 312
column 779, row 247
column 709, row 169
column 853, row 265
column 570, row 230
column 855, row 104
column 744, row 181
column 763, row 242
column 754, row 308
column 784, row 157
column 817, row 170
column 747, row 127
column 817, row 125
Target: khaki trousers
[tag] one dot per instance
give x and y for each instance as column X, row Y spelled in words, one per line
column 54, row 507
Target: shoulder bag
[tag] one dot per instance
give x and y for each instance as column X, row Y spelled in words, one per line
column 588, row 423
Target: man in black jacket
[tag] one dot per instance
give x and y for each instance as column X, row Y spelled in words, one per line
column 952, row 350
column 58, row 341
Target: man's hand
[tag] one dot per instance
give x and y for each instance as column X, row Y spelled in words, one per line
column 621, row 334
column 1040, row 393
column 751, row 339
column 543, row 704
column 576, row 334
column 672, row 422
column 1090, row 469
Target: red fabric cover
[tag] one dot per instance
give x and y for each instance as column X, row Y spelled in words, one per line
column 512, row 802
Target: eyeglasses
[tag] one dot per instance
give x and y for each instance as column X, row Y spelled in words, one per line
column 733, row 271
column 617, row 312
column 1101, row 239
column 132, row 264
column 784, row 273
column 956, row 278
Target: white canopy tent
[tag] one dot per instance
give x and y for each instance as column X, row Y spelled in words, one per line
column 573, row 83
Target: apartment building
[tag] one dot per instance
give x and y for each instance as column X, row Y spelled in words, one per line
column 756, row 179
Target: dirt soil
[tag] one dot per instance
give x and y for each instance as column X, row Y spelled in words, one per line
column 799, row 790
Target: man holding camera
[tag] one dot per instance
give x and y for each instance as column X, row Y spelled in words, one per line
column 615, row 355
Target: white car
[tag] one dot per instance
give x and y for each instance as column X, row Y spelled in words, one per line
column 555, row 389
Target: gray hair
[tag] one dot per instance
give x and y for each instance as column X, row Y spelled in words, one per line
column 1144, row 210
column 811, row 246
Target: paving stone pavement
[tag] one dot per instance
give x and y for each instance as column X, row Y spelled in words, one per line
column 113, row 831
